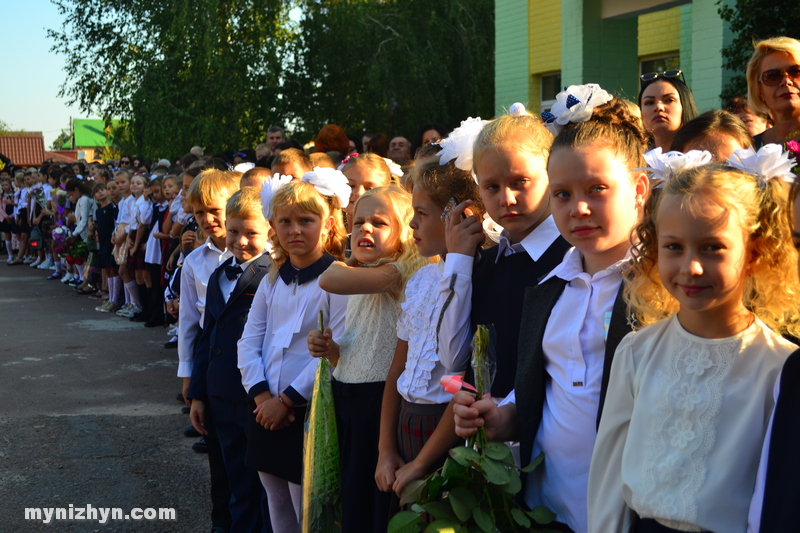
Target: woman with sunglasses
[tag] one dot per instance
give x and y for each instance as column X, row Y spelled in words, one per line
column 667, row 104
column 773, row 86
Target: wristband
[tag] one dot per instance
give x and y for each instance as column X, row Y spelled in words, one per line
column 286, row 405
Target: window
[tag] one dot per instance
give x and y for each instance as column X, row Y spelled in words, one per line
column 660, row 64
column 550, row 86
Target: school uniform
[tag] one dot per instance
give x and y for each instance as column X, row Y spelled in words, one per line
column 683, row 425
column 273, row 356
column 104, row 218
column 492, row 293
column 775, row 506
column 197, row 270
column 216, row 380
column 572, row 324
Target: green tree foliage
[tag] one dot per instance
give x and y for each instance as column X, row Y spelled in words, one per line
column 752, row 21
column 391, row 65
column 180, row 72
column 218, row 73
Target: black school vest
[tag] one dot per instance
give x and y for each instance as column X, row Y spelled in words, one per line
column 781, row 510
column 498, row 291
column 531, row 374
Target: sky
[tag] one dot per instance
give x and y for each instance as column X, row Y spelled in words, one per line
column 32, row 74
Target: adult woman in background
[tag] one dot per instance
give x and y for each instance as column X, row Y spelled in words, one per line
column 667, row 104
column 773, row 87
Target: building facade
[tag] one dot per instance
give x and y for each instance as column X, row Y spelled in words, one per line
column 542, row 46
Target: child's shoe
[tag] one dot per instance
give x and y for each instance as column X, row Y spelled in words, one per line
column 109, row 307
column 55, row 275
column 45, row 265
column 132, row 310
column 28, row 260
column 67, row 278
column 124, row 309
column 36, row 263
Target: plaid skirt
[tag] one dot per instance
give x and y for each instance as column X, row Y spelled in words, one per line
column 417, row 423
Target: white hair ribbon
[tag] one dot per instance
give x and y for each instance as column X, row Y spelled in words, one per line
column 458, row 145
column 771, row 161
column 268, row 189
column 574, row 104
column 330, row 182
column 665, row 166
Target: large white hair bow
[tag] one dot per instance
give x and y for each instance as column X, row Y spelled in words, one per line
column 395, row 169
column 665, row 166
column 244, row 167
column 769, row 162
column 330, row 182
column 574, row 104
column 458, row 145
column 268, row 190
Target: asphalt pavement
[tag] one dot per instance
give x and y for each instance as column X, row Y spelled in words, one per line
column 88, row 417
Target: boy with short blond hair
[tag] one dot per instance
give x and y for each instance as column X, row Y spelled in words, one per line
column 216, row 391
column 292, row 162
column 208, row 194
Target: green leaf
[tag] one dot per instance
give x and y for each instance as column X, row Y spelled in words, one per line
column 515, row 485
column 496, row 473
column 542, row 515
column 520, row 518
column 442, row 526
column 453, row 470
column 417, row 508
column 465, row 456
column 497, row 451
column 406, row 522
column 440, row 510
column 534, row 464
column 463, row 501
column 434, row 487
column 483, row 520
column 412, row 492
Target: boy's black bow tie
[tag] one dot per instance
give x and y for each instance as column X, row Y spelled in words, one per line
column 233, row 271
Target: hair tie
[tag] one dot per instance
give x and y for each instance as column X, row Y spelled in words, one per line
column 268, row 190
column 665, row 166
column 329, row 182
column 458, row 145
column 770, row 162
column 574, row 104
column 347, row 159
column 516, row 109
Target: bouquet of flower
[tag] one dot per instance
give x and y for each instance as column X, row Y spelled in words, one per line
column 474, row 490
column 322, row 491
column 78, row 252
column 793, row 147
column 38, row 194
column 60, row 236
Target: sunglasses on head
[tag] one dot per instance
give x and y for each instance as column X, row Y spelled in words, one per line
column 650, row 76
column 774, row 76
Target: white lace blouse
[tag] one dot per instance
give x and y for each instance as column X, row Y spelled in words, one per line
column 367, row 347
column 682, row 428
column 419, row 382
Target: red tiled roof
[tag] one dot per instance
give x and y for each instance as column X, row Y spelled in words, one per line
column 61, row 156
column 25, row 150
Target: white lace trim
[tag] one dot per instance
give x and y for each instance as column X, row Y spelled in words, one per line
column 683, row 431
column 418, row 324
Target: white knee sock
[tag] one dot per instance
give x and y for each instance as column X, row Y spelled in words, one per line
column 133, row 291
column 284, row 503
column 9, row 248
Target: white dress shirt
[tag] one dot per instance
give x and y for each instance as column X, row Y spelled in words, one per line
column 152, row 252
column 226, row 285
column 574, row 353
column 455, row 285
column 196, row 271
column 273, row 350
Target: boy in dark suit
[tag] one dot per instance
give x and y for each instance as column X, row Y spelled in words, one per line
column 215, row 389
